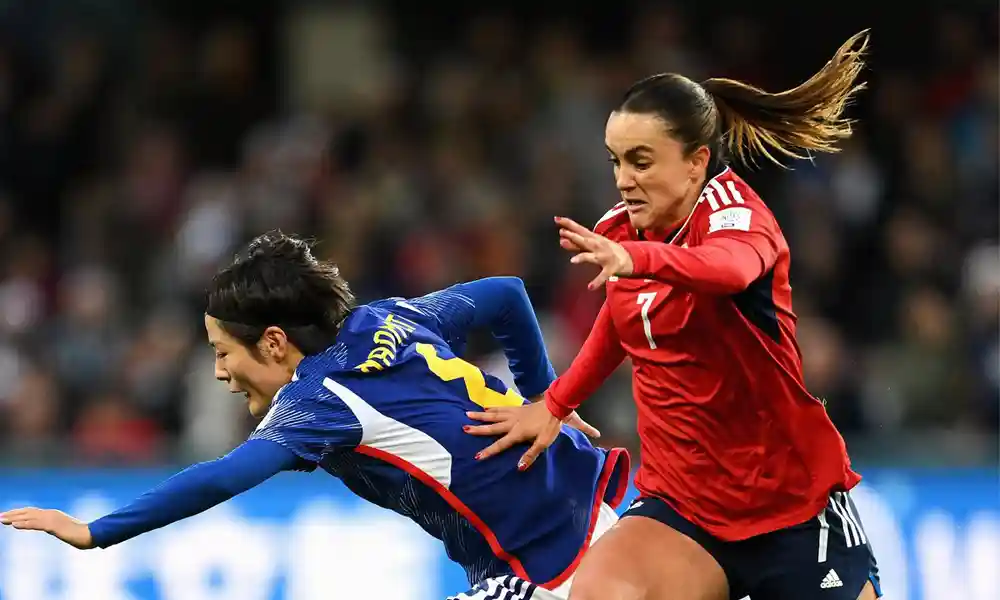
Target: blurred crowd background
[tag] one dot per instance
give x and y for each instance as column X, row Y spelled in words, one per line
column 141, row 143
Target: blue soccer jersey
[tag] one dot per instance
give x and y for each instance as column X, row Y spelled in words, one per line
column 383, row 410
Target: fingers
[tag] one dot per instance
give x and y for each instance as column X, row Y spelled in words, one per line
column 23, row 518
column 505, row 443
column 500, row 423
column 492, row 415
column 576, row 422
column 493, row 429
column 568, row 245
column 573, row 226
column 532, row 454
column 589, row 430
column 28, row 524
column 583, row 257
column 580, row 241
column 601, row 278
column 18, row 513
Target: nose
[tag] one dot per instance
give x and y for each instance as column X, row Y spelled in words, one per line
column 624, row 179
column 221, row 374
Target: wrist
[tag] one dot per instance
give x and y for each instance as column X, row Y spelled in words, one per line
column 93, row 532
column 88, row 538
column 625, row 261
column 557, row 409
column 636, row 258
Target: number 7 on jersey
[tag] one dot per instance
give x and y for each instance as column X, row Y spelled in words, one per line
column 646, row 299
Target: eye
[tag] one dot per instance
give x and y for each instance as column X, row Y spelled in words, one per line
column 220, row 355
column 641, row 163
column 613, row 160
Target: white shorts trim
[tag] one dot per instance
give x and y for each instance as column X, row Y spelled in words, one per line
column 509, row 587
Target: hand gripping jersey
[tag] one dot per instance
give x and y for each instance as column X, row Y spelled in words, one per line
column 383, row 410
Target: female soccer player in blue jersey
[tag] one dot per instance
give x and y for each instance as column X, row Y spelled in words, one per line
column 377, row 396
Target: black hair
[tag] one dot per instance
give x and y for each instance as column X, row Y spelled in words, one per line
column 725, row 114
column 276, row 281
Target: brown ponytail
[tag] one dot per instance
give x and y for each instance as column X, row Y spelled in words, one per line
column 808, row 118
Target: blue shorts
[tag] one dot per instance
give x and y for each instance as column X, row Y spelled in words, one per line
column 827, row 558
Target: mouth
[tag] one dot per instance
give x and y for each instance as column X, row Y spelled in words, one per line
column 242, row 393
column 632, row 204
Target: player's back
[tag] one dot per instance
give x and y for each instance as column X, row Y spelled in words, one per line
column 729, row 430
column 393, row 396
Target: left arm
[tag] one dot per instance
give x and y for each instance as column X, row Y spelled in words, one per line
column 721, row 266
column 501, row 305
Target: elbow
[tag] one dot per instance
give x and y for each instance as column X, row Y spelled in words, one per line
column 736, row 276
column 736, row 284
column 512, row 283
column 513, row 288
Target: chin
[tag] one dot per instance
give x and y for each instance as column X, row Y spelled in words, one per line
column 257, row 409
column 641, row 220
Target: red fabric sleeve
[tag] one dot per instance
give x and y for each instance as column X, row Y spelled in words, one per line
column 597, row 359
column 722, row 265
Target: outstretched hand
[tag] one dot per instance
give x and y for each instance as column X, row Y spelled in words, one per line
column 594, row 248
column 56, row 523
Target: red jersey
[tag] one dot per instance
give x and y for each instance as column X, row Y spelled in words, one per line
column 729, row 435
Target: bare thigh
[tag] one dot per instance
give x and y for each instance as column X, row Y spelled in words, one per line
column 868, row 593
column 643, row 559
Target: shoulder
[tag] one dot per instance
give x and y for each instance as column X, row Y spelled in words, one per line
column 428, row 307
column 727, row 189
column 729, row 203
column 614, row 224
column 302, row 393
column 367, row 320
column 295, row 403
column 366, row 316
column 307, row 400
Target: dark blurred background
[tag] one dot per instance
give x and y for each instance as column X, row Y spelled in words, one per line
column 142, row 142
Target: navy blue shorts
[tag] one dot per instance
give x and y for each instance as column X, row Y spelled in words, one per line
column 827, row 558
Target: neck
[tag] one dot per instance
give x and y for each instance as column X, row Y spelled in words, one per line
column 292, row 361
column 685, row 207
column 682, row 209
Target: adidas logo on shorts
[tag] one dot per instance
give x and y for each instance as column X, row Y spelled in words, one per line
column 832, row 580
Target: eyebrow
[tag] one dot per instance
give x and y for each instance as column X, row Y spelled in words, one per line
column 633, row 150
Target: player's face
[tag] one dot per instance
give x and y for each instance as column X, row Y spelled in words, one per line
column 657, row 181
column 256, row 373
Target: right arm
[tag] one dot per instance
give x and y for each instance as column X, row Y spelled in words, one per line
column 192, row 491
column 195, row 490
column 600, row 355
column 305, row 420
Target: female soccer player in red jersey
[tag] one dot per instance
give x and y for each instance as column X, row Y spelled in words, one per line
column 744, row 478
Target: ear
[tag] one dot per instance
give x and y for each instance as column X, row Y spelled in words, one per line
column 274, row 343
column 699, row 162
